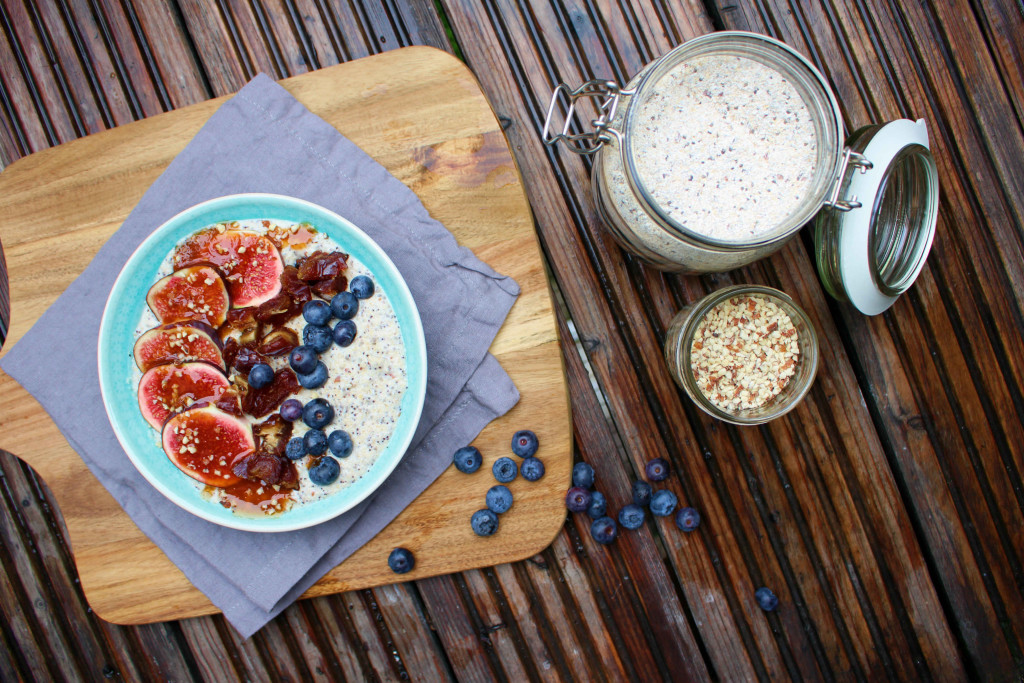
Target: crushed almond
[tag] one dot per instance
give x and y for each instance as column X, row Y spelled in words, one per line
column 744, row 352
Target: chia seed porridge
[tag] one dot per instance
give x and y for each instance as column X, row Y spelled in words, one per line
column 366, row 380
column 726, row 146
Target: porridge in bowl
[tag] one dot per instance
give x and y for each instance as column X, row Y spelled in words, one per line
column 269, row 365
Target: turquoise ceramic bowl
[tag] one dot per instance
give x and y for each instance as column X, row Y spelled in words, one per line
column 123, row 312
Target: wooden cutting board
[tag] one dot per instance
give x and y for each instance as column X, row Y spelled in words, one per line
column 420, row 113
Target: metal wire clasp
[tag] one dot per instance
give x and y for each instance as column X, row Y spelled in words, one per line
column 850, row 159
column 608, row 93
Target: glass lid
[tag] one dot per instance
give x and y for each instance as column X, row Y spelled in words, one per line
column 873, row 253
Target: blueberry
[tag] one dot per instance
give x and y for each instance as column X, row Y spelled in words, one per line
column 641, row 493
column 401, row 561
column 499, row 499
column 532, row 469
column 657, row 469
column 687, row 519
column 604, row 530
column 316, row 442
column 583, row 475
column 766, row 599
column 303, row 360
column 344, row 306
column 663, row 503
column 319, row 337
column 296, row 448
column 325, row 471
column 361, row 286
column 344, row 333
column 577, row 499
column 484, row 523
column 631, row 516
column 505, row 470
column 261, row 376
column 467, row 459
column 291, row 410
column 598, row 505
column 524, row 443
column 318, row 413
column 340, row 443
column 316, row 312
column 315, row 379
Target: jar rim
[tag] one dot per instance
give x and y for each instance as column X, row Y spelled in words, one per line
column 792, row 66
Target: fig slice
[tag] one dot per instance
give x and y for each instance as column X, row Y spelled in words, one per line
column 205, row 443
column 193, row 293
column 250, row 263
column 166, row 390
column 178, row 343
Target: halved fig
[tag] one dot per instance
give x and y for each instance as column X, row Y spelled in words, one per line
column 166, row 390
column 250, row 263
column 178, row 343
column 205, row 443
column 193, row 293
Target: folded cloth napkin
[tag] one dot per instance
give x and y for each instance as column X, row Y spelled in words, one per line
column 264, row 140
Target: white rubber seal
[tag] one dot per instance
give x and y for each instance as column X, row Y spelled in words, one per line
column 855, row 230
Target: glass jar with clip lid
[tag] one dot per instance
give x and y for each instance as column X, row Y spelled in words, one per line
column 718, row 152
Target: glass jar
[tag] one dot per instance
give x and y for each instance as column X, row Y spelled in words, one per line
column 679, row 346
column 782, row 172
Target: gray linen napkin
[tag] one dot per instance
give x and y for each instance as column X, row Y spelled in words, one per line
column 263, row 140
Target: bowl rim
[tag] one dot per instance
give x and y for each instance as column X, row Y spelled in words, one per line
column 809, row 352
column 416, row 356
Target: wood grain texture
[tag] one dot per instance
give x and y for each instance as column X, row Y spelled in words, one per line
column 886, row 512
column 447, row 151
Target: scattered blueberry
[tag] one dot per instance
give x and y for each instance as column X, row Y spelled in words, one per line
column 632, row 516
column 344, row 306
column 577, row 499
column 641, row 493
column 261, row 376
column 598, row 505
column 532, row 469
column 315, row 379
column 296, row 448
column 316, row 312
column 291, row 410
column 505, row 469
column 604, row 530
column 303, row 360
column 484, row 523
column 340, row 443
column 766, row 599
column 499, row 499
column 524, row 443
column 583, row 475
column 344, row 333
column 325, row 472
column 663, row 503
column 316, row 442
column 687, row 519
column 657, row 469
column 467, row 459
column 318, row 413
column 320, row 337
column 361, row 286
column 401, row 561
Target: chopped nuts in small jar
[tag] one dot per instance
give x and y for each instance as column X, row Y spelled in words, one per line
column 744, row 352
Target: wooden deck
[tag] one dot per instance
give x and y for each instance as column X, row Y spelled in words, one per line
column 887, row 511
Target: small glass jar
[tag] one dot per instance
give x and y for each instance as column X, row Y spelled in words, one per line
column 679, row 345
column 654, row 211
